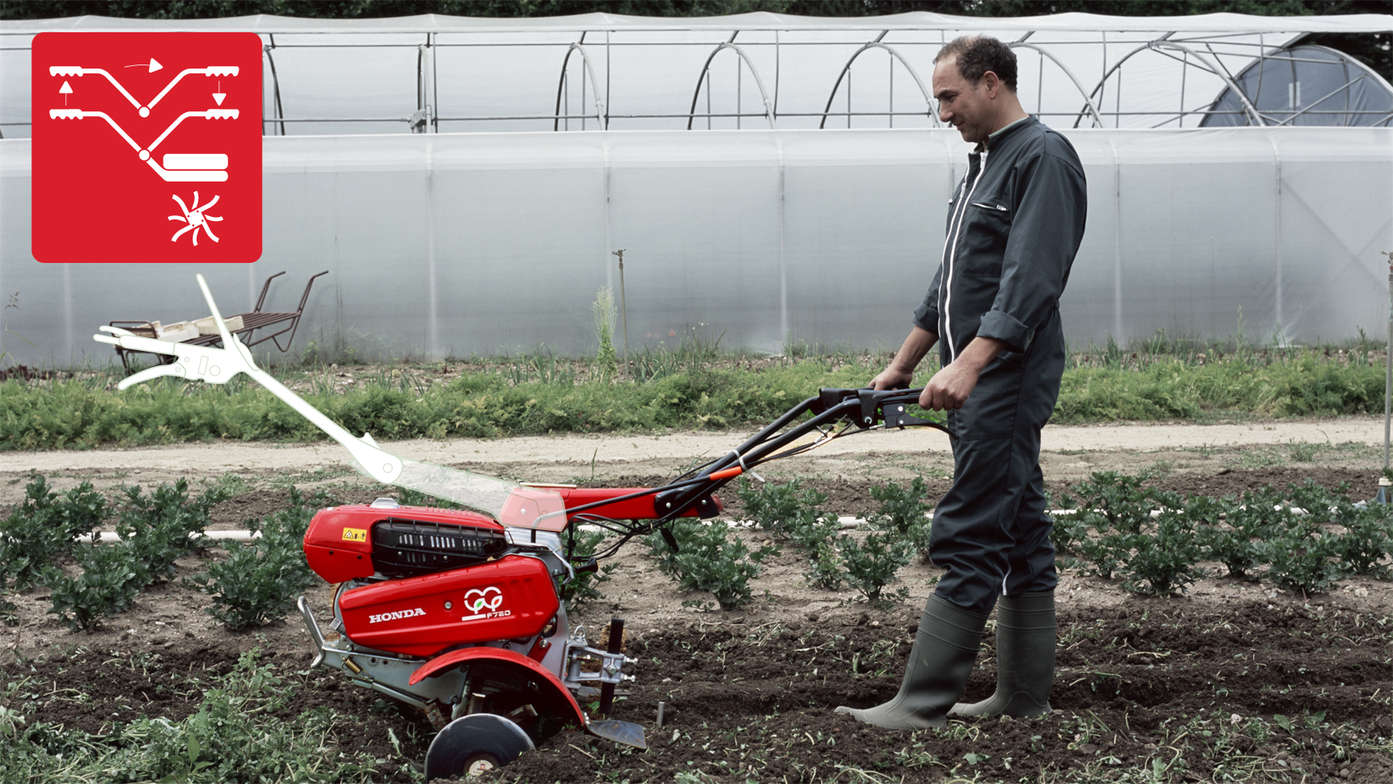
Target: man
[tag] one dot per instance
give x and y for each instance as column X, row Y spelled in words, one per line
column 1014, row 226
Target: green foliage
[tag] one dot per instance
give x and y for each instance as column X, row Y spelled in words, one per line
column 905, row 511
column 606, row 362
column 244, row 730
column 1301, row 539
column 162, row 526
column 872, row 562
column 9, row 611
column 1163, row 557
column 691, row 386
column 585, row 586
column 256, row 585
column 1118, row 502
column 1067, row 531
column 792, row 511
column 1170, row 388
column 1302, row 557
column 1233, row 532
column 108, row 583
column 787, row 510
column 709, row 558
column 1116, row 511
column 827, row 571
column 1367, row 542
column 154, row 530
column 44, row 528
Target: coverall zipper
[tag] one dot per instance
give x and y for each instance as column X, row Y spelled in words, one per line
column 950, row 250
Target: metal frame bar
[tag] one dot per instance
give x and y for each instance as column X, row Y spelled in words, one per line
column 1204, row 51
column 1342, row 88
column 1098, row 120
column 600, row 115
column 846, row 74
column 704, row 78
column 1157, row 45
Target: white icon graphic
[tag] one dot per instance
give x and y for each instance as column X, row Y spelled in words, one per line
column 196, row 219
column 174, row 167
column 153, row 66
column 187, row 167
column 144, row 111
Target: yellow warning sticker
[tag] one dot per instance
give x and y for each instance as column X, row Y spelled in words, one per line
column 355, row 534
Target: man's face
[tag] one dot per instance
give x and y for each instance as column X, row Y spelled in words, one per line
column 964, row 105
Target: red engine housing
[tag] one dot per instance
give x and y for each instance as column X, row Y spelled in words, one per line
column 454, row 584
column 339, row 540
column 418, row 616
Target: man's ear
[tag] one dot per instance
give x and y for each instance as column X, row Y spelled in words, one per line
column 992, row 82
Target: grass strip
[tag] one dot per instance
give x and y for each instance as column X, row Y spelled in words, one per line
column 488, row 400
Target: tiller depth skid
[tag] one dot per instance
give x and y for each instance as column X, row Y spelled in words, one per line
column 458, row 613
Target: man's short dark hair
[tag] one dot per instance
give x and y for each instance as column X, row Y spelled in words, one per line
column 978, row 54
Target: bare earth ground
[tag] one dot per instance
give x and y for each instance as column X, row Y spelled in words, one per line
column 747, row 694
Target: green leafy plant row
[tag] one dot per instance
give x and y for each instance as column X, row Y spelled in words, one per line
column 868, row 561
column 258, row 582
column 1303, row 539
column 709, row 558
column 41, row 543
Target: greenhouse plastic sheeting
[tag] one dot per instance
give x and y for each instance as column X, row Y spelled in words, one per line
column 468, row 244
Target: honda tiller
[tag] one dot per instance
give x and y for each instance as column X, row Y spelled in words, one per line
column 458, row 613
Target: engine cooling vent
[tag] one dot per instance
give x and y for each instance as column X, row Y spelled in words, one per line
column 406, row 548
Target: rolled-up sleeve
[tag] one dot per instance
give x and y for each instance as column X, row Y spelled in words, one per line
column 1046, row 230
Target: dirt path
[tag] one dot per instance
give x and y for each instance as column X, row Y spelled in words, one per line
column 577, row 450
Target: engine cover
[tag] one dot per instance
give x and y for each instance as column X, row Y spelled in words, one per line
column 513, row 597
column 354, row 542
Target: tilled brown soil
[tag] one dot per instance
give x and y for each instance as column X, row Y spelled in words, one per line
column 754, row 703
column 1265, row 691
column 1239, row 683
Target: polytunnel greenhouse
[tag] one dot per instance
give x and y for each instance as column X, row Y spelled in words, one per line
column 772, row 181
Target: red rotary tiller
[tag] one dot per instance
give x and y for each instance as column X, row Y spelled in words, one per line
column 458, row 613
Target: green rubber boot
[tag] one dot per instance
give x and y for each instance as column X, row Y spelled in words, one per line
column 1025, row 638
column 944, row 649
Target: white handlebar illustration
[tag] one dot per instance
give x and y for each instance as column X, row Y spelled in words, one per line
column 220, row 365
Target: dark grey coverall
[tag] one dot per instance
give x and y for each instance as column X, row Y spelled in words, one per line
column 1014, row 225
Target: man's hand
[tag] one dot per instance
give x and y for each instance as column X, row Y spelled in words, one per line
column 950, row 386
column 892, row 377
column 900, row 371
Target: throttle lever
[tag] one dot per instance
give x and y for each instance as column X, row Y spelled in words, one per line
column 895, row 416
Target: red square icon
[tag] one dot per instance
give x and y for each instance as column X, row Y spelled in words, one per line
column 147, row 147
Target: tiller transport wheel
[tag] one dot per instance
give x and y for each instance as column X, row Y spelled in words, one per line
column 473, row 745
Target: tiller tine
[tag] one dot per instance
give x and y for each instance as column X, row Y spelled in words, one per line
column 625, row 732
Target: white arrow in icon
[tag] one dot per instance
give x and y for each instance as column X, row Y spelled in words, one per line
column 154, row 65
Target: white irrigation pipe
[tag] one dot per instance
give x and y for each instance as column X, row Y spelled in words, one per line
column 236, row 536
column 843, row 521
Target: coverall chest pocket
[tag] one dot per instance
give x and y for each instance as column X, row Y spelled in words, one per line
column 986, row 227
